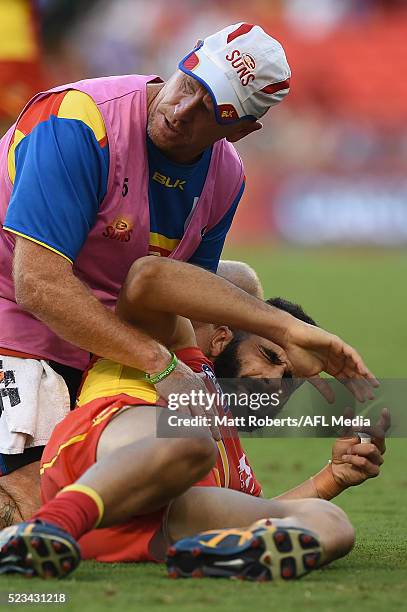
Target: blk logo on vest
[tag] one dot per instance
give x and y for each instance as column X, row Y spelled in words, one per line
column 166, row 181
column 120, row 229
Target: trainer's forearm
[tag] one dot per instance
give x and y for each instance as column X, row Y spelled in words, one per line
column 65, row 305
column 183, row 289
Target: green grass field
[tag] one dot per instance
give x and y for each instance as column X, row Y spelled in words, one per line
column 361, row 295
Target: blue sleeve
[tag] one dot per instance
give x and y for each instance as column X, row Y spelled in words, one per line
column 209, row 251
column 61, row 178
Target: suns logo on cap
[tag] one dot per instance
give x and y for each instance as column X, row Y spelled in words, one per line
column 244, row 65
column 249, row 61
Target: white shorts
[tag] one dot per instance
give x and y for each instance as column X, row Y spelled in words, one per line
column 33, row 400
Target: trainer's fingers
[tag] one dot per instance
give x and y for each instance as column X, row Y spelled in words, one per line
column 359, row 388
column 214, row 428
column 356, row 364
column 324, row 388
column 363, row 464
column 352, row 368
column 349, row 383
column 200, row 410
column 212, row 413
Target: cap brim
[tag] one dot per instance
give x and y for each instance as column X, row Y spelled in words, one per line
column 227, row 106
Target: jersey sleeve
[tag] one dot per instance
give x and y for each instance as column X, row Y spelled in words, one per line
column 209, row 251
column 58, row 162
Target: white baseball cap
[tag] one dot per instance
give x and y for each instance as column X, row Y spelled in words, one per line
column 244, row 69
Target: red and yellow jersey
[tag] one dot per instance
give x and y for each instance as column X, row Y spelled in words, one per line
column 72, row 450
column 107, row 378
column 233, row 470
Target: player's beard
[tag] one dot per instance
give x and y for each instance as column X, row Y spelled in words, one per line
column 227, row 364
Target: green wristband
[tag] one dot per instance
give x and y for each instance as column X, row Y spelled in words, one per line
column 156, row 378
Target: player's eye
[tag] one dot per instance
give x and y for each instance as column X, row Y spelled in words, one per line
column 270, row 355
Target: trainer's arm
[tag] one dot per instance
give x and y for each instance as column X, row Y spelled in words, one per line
column 46, row 286
column 165, row 285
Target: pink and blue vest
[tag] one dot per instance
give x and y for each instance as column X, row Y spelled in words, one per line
column 102, row 264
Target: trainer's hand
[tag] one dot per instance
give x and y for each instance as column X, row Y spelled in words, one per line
column 354, row 462
column 184, row 380
column 312, row 350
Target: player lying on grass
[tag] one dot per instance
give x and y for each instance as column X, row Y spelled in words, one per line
column 105, row 466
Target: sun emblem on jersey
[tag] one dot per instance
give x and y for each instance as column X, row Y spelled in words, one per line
column 120, row 229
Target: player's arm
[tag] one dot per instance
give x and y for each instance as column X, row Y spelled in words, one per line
column 58, row 163
column 352, row 463
column 179, row 288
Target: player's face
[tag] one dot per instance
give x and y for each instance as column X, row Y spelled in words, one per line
column 260, row 364
column 261, row 358
column 182, row 120
column 245, row 355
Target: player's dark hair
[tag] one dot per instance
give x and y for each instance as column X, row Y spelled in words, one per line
column 293, row 309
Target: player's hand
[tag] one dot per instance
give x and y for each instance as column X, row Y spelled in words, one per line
column 184, row 381
column 312, row 350
column 354, row 462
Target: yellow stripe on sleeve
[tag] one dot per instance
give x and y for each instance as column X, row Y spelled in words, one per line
column 8, row 229
column 80, row 106
column 11, row 159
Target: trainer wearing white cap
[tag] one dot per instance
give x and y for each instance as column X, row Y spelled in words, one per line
column 244, row 70
column 97, row 174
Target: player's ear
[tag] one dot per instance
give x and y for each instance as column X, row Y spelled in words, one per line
column 240, row 130
column 219, row 341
